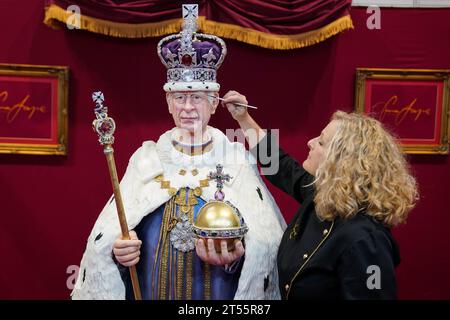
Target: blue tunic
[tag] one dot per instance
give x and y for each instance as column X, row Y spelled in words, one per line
column 166, row 273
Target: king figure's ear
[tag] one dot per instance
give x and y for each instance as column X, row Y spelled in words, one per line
column 168, row 99
column 214, row 103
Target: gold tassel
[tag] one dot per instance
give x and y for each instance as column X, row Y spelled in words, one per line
column 207, row 282
column 55, row 15
column 164, row 273
column 189, row 275
column 180, row 276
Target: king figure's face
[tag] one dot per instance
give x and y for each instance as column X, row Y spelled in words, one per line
column 192, row 110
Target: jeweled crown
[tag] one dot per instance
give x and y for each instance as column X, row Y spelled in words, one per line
column 191, row 58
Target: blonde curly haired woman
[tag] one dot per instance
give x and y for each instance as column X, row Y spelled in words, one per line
column 353, row 187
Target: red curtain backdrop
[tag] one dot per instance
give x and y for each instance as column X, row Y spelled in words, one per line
column 49, row 203
column 275, row 24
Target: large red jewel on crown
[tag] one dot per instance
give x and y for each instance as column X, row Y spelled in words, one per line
column 186, row 60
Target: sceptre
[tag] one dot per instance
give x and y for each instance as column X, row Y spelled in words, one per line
column 105, row 127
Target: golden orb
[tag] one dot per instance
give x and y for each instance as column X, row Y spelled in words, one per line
column 220, row 220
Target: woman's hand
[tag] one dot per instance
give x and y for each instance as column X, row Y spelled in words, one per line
column 252, row 131
column 127, row 252
column 238, row 113
column 210, row 256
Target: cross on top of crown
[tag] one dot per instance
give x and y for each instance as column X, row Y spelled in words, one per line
column 190, row 15
column 190, row 11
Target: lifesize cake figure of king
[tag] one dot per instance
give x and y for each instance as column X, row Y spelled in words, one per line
column 176, row 189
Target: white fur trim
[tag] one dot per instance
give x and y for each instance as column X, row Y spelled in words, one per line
column 191, row 86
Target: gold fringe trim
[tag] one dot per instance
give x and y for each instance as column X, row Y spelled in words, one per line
column 55, row 15
column 272, row 41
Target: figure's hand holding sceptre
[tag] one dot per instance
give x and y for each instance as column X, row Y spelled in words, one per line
column 105, row 126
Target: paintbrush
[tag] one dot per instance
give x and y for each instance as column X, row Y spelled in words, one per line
column 237, row 104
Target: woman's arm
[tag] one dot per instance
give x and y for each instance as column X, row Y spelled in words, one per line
column 253, row 132
column 290, row 175
column 287, row 175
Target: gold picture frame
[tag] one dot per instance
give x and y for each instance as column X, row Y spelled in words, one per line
column 34, row 109
column 411, row 103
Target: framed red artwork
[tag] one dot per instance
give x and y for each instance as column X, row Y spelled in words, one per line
column 33, row 109
column 411, row 103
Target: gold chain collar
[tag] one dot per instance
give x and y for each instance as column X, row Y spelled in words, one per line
column 193, row 150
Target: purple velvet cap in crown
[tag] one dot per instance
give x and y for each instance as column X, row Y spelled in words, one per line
column 191, row 58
